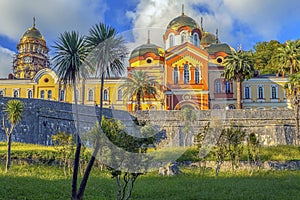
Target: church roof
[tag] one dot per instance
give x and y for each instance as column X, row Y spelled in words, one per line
column 145, row 48
column 181, row 21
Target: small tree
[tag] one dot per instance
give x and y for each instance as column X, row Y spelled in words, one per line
column 198, row 142
column 65, row 146
column 253, row 148
column 220, row 150
column 235, row 136
column 188, row 117
column 13, row 110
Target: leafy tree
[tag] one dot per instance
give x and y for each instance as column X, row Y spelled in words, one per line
column 139, row 86
column 13, row 110
column 107, row 51
column 220, row 150
column 288, row 56
column 235, row 137
column 253, row 148
column 293, row 93
column 114, row 132
column 238, row 66
column 63, row 142
column 69, row 59
column 264, row 55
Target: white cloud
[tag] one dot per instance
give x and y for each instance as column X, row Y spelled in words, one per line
column 6, row 57
column 52, row 17
column 238, row 21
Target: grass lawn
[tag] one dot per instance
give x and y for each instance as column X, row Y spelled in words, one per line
column 48, row 182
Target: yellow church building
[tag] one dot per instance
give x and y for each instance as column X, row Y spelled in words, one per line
column 188, row 70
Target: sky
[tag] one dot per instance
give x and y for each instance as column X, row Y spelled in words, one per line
column 240, row 22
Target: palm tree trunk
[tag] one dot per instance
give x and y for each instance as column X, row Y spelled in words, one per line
column 78, row 147
column 238, row 93
column 8, row 152
column 138, row 97
column 296, row 107
column 97, row 147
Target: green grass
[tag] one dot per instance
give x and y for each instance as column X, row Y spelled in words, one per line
column 43, row 181
column 48, row 182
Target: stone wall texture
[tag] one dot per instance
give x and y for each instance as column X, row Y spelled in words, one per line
column 44, row 118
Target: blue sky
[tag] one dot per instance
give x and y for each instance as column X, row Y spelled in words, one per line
column 244, row 22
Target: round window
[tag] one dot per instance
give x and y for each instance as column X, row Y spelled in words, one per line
column 219, row 60
column 46, row 80
column 149, row 61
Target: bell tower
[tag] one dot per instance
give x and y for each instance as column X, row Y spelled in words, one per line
column 32, row 55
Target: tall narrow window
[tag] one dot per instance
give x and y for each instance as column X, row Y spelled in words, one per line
column 274, row 92
column 42, row 94
column 218, row 88
column 77, row 95
column 105, row 95
column 186, row 74
column 183, row 37
column 197, row 75
column 196, row 39
column 16, row 93
column 29, row 94
column 49, row 94
column 1, row 93
column 176, row 78
column 227, row 87
column 171, row 40
column 61, row 95
column 120, row 95
column 247, row 93
column 91, row 95
column 260, row 92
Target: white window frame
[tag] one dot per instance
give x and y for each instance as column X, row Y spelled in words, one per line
column 28, row 96
column 18, row 93
column 91, row 95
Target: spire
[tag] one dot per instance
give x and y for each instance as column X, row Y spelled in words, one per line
column 148, row 41
column 182, row 9
column 217, row 36
column 201, row 23
column 33, row 25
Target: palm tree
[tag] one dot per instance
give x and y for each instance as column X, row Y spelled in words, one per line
column 13, row 110
column 107, row 51
column 293, row 93
column 69, row 57
column 138, row 86
column 288, row 56
column 238, row 66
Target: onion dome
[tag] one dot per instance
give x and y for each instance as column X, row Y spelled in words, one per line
column 221, row 47
column 181, row 21
column 32, row 33
column 208, row 38
column 146, row 48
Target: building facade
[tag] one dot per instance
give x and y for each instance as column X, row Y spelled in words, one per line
column 188, row 70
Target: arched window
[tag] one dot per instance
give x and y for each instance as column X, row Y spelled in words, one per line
column 61, row 95
column 183, row 37
column 247, row 92
column 120, row 95
column 227, row 87
column 231, row 107
column 91, row 95
column 16, row 93
column 186, row 74
column 260, row 92
column 105, row 95
column 176, row 78
column 197, row 75
column 49, row 94
column 42, row 94
column 171, row 40
column 273, row 92
column 195, row 39
column 218, row 88
column 1, row 93
column 29, row 94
